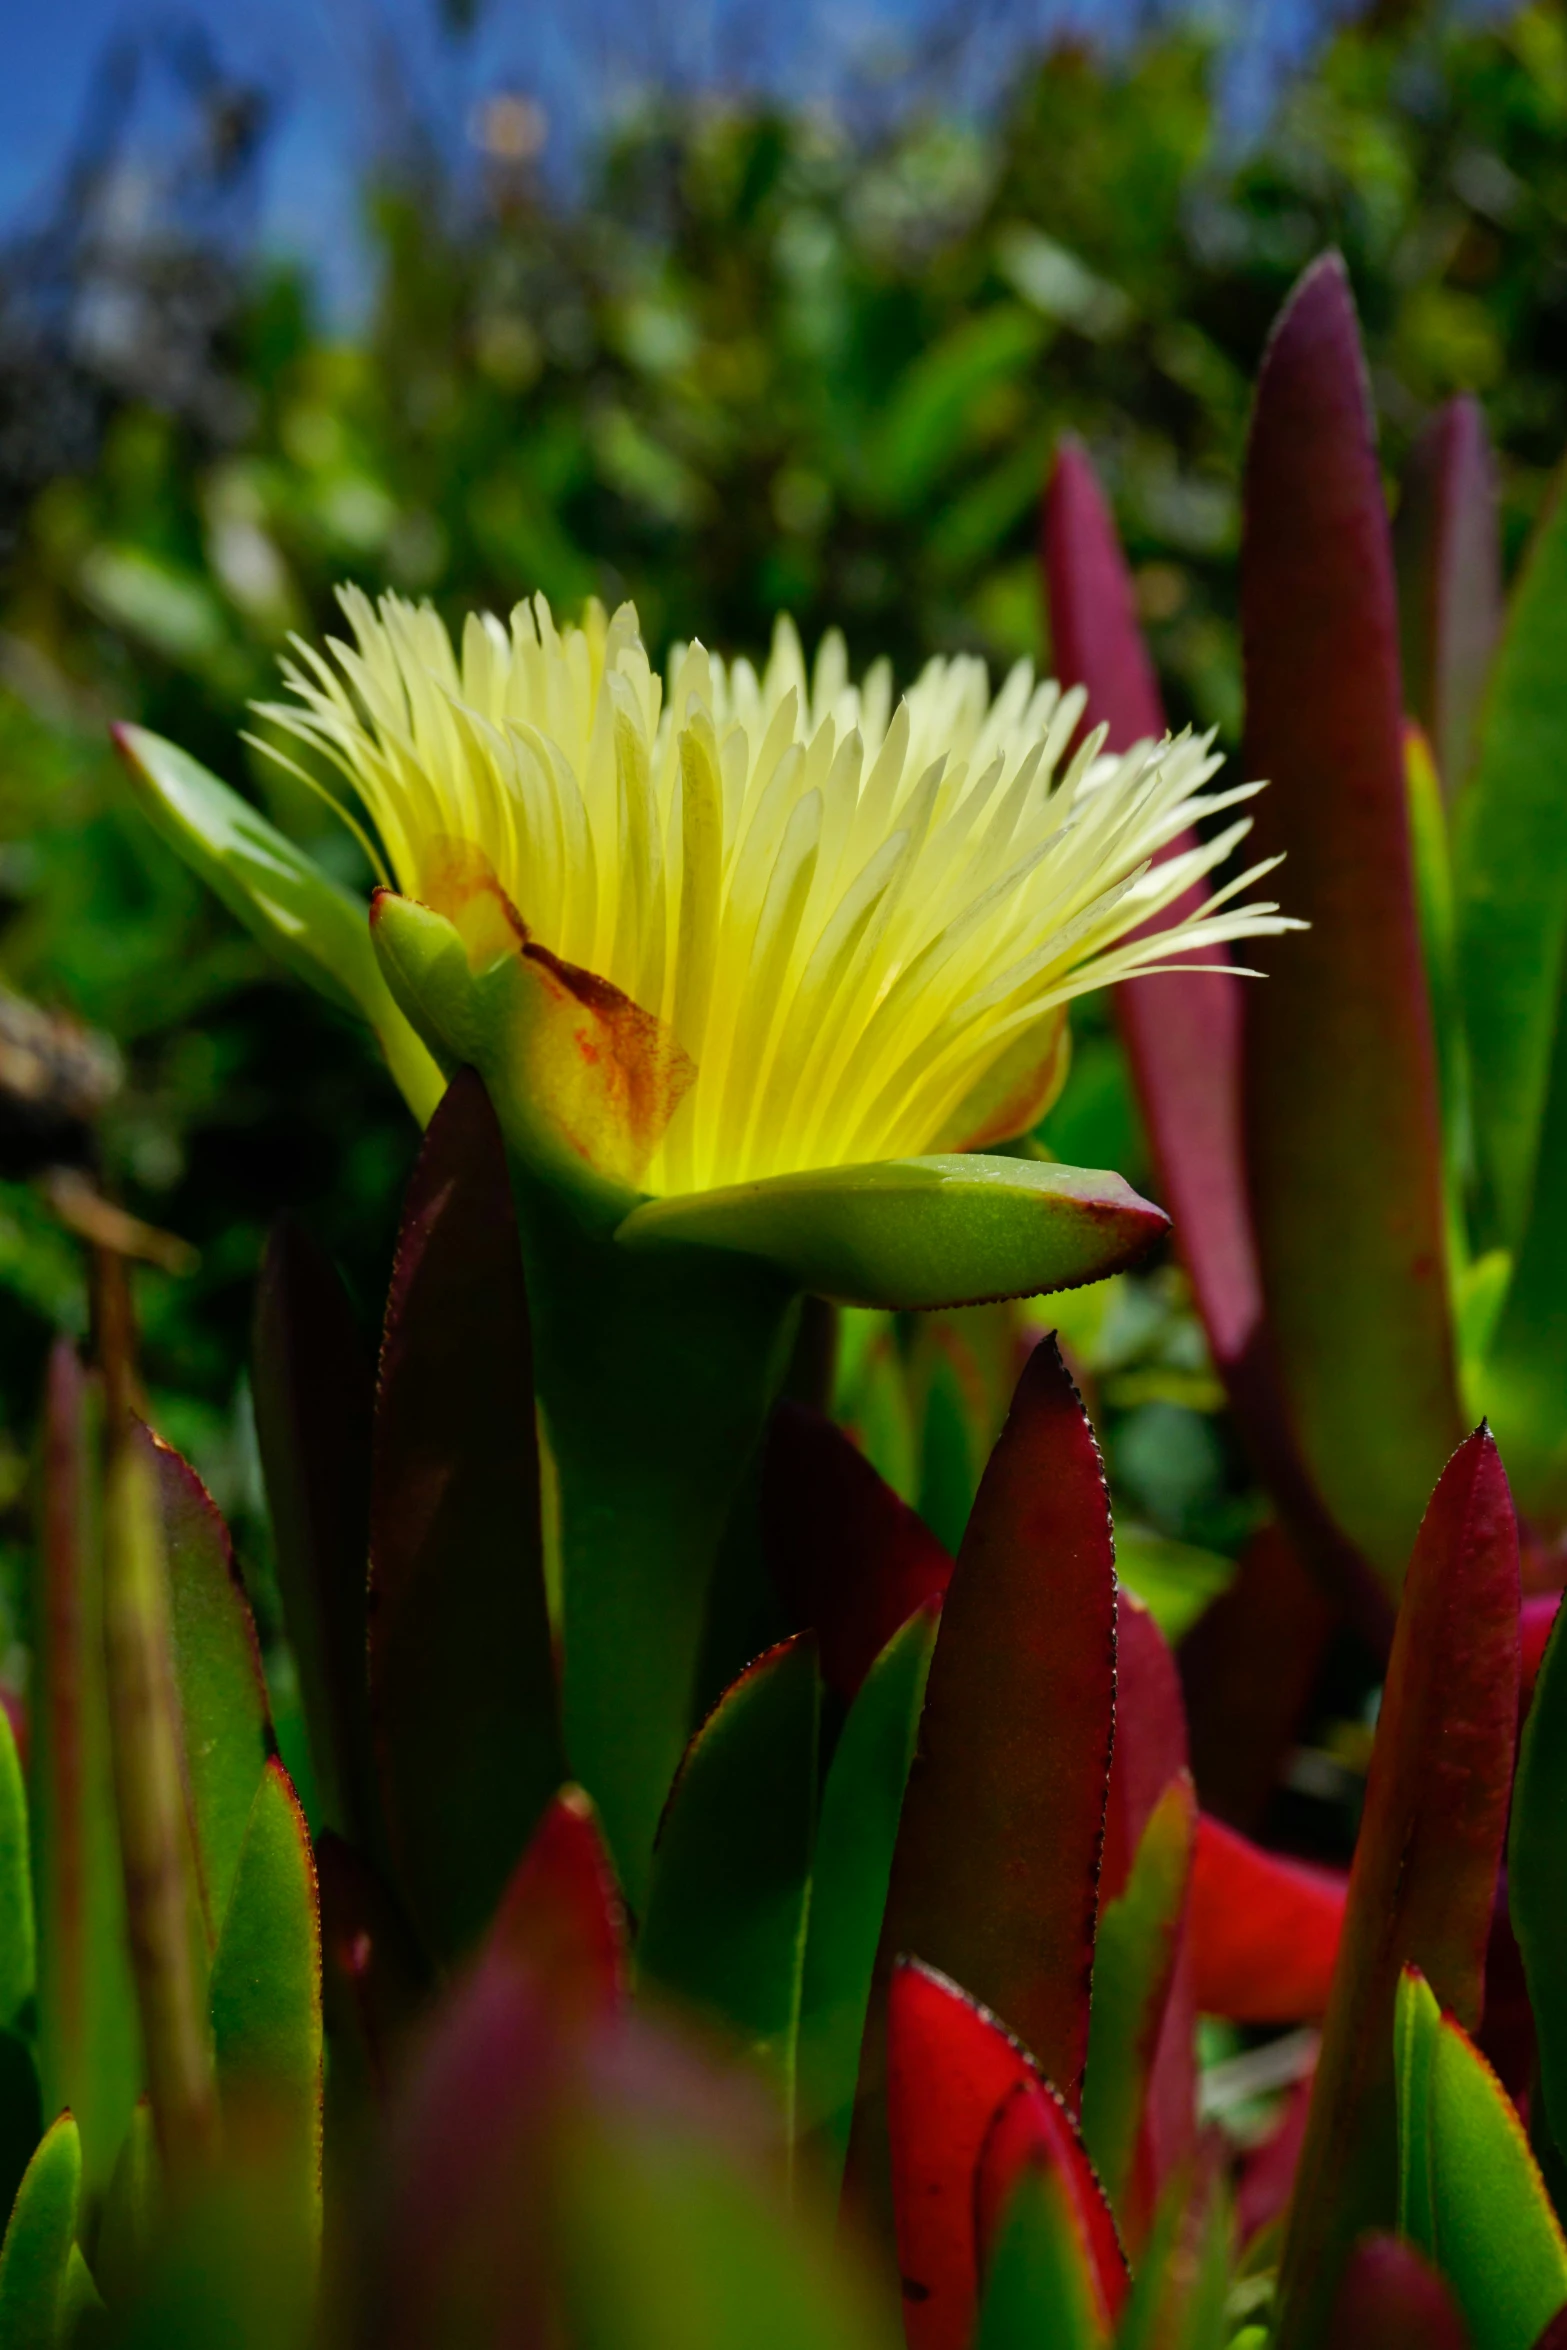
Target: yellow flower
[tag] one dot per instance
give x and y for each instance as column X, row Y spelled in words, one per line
column 856, row 920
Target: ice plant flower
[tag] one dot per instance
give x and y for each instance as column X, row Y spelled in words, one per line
column 752, row 968
column 839, row 928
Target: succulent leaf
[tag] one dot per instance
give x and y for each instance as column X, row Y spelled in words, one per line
column 1342, row 1119
column 40, row 2238
column 724, row 1930
column 462, row 1675
column 857, row 1830
column 1423, row 1884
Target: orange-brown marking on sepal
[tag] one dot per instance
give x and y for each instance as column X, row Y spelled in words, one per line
column 626, row 1075
column 457, row 879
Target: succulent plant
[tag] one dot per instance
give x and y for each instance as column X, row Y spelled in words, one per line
column 728, row 1912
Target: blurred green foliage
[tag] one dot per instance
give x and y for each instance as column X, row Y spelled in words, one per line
column 761, row 365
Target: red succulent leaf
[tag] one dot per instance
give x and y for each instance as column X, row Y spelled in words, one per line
column 1343, row 1133
column 1265, row 1929
column 1033, row 2129
column 1393, row 2299
column 967, row 2108
column 998, row 1851
column 561, row 1914
column 1423, row 1885
column 850, row 1560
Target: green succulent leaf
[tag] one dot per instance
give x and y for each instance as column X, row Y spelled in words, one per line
column 1537, row 1871
column 18, row 1939
column 39, row 2240
column 89, row 2041
column 861, row 1805
column 313, row 925
column 1134, row 1958
column 1042, row 2286
column 1511, row 873
column 217, row 1670
column 670, row 2233
column 917, row 1232
column 1472, row 2198
column 266, row 1989
column 724, row 1929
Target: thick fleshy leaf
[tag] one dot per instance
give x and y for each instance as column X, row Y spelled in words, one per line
column 1135, row 1951
column 18, row 1935
column 1182, row 2279
column 673, row 2226
column 373, row 1977
column 917, row 1232
column 1511, row 870
column 1393, row 2299
column 1248, row 1671
column 1536, row 1622
column 167, row 1920
column 1265, row 1929
column 561, row 1917
column 310, row 922
column 861, row 1805
column 950, row 2068
column 1032, row 2130
column 1424, row 1876
column 266, row 1990
column 724, row 1930
column 1182, row 1031
column 1520, row 1380
column 1447, row 541
column 315, row 1401
column 462, row 1677
column 1537, row 1871
column 850, row 1560
column 998, row 1853
column 88, row 2035
column 1343, row 1126
column 1150, row 1753
column 1041, row 2284
column 1472, row 2198
column 39, row 2240
column 217, row 1669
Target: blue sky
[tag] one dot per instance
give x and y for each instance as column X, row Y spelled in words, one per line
column 327, row 63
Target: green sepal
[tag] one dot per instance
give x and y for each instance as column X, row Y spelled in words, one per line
column 266, row 1992
column 1470, row 2190
column 915, row 1233
column 724, row 1929
column 1041, row 2286
column 500, row 1022
column 316, row 927
column 18, row 1938
column 858, row 1828
column 39, row 2240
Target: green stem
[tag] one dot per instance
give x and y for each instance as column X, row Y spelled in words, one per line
column 656, row 1373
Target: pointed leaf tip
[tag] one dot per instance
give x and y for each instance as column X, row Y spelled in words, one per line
column 998, row 1853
